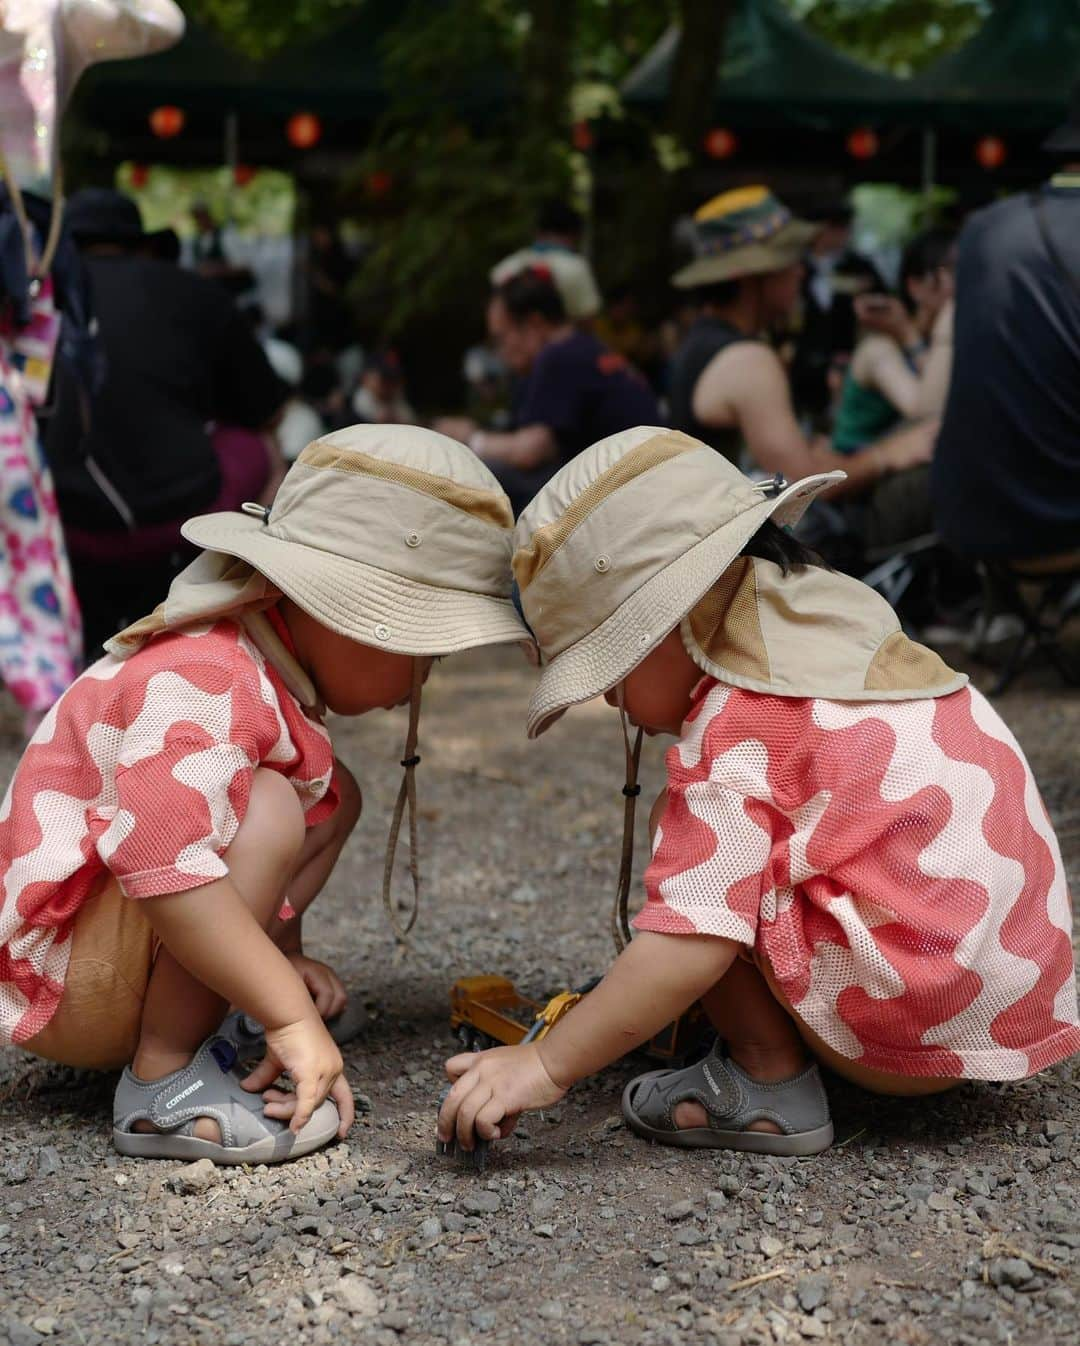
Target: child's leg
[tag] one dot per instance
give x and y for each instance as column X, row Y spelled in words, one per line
column 179, row 1012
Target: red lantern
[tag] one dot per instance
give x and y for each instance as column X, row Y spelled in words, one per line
column 304, row 130
column 243, row 174
column 990, row 151
column 140, row 176
column 863, row 143
column 167, row 121
column 379, row 183
column 720, row 143
column 582, row 137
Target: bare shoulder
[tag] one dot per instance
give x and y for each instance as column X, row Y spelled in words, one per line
column 744, row 370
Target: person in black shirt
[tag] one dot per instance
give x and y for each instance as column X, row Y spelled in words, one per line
column 573, row 389
column 177, row 427
column 1006, row 473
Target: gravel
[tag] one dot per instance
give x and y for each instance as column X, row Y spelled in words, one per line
column 954, row 1220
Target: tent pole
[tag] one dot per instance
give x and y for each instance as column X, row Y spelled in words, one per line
column 929, row 162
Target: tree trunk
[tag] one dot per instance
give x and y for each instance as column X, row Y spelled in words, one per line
column 549, row 63
column 688, row 110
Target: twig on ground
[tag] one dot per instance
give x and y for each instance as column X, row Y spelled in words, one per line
column 760, row 1278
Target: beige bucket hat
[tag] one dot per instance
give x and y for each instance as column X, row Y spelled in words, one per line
column 622, row 543
column 392, row 535
column 745, row 232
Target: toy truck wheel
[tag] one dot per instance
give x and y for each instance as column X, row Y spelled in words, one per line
column 466, row 1036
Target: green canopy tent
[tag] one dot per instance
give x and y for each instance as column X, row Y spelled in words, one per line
column 775, row 73
column 1014, row 74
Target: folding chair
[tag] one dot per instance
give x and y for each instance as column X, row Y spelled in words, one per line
column 1053, row 597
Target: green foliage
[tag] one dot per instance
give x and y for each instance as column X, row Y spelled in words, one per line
column 897, row 35
column 259, row 28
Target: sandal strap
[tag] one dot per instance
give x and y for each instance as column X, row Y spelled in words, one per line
column 208, row 1087
column 732, row 1100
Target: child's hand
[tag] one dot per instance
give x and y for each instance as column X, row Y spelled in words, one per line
column 309, row 1054
column 491, row 1090
column 323, row 983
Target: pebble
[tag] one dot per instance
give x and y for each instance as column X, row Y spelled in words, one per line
column 482, row 1202
column 770, row 1246
column 430, row 1229
column 355, row 1294
column 194, row 1178
column 679, row 1211
column 661, row 1283
column 811, row 1292
column 49, row 1161
column 1009, row 1271
column 551, row 1310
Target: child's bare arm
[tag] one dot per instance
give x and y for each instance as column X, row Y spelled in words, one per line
column 648, row 985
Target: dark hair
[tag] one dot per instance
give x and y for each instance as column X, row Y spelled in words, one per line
column 773, row 543
column 925, row 253
column 556, row 217
column 719, row 294
column 530, row 292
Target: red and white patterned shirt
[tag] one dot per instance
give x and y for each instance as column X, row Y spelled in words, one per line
column 894, row 863
column 143, row 769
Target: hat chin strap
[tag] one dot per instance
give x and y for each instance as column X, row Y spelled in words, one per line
column 406, row 795
column 620, row 924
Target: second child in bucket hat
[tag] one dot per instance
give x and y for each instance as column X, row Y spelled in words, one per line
column 181, row 806
column 851, row 864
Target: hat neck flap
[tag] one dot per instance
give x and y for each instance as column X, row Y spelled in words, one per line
column 215, row 586
column 810, row 633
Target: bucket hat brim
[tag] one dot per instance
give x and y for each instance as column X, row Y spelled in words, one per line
column 784, row 249
column 604, row 657
column 360, row 601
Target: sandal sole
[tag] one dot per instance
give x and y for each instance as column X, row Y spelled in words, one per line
column 270, row 1150
column 800, row 1144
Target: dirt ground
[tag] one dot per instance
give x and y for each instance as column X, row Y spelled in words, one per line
column 952, row 1221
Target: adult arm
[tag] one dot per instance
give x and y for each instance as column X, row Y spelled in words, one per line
column 527, row 448
column 745, row 385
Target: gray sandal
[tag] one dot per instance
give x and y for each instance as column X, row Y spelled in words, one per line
column 210, row 1087
column 249, row 1038
column 733, row 1101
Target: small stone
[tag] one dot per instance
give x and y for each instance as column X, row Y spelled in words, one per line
column 49, row 1161
column 939, row 1201
column 661, row 1283
column 193, row 1178
column 1012, row 1271
column 1053, row 1129
column 770, row 1246
column 688, row 1236
column 430, row 1229
column 544, row 1231
column 978, row 1186
column 356, row 1295
column 19, row 1333
column 551, row 1310
column 397, row 1320
column 812, row 1291
column 657, row 1257
column 483, row 1320
column 1058, row 1297
column 680, row 1210
column 729, row 1184
column 593, row 1336
column 525, row 894
column 482, row 1202
column 45, row 1325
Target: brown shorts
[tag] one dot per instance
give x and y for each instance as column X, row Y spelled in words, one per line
column 96, row 1024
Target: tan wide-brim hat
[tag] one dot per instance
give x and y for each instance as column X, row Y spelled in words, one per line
column 394, row 536
column 622, row 543
column 745, row 232
column 391, row 535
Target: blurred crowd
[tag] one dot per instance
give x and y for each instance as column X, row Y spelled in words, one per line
column 948, row 393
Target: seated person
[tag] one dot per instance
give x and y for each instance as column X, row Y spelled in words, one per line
column 895, row 373
column 1006, row 476
column 557, row 246
column 728, row 386
column 573, row 390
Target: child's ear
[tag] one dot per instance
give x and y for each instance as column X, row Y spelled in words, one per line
column 531, row 651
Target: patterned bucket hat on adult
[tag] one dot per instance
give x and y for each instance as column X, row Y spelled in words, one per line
column 745, row 232
column 622, row 543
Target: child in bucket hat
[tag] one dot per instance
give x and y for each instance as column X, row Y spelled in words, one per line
column 851, row 863
column 181, row 806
